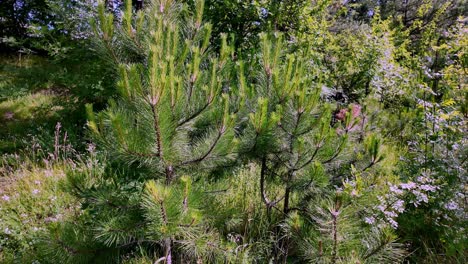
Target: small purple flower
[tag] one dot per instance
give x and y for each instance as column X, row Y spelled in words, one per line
column 395, row 189
column 91, row 148
column 369, row 220
column 393, row 223
column 428, row 188
column 48, row 173
column 35, row 191
column 334, row 213
column 381, row 208
column 399, row 206
column 390, row 214
column 451, row 205
column 9, row 115
column 6, row 198
column 408, row 186
column 421, row 197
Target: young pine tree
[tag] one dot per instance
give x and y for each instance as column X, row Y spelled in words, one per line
column 169, row 124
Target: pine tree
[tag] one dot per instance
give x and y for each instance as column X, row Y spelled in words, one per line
column 289, row 129
column 172, row 115
column 170, row 123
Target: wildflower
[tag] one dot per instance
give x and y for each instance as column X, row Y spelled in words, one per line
column 381, row 208
column 355, row 110
column 451, row 205
column 399, row 206
column 341, row 114
column 334, row 213
column 395, row 189
column 393, row 223
column 390, row 214
column 421, row 196
column 48, row 173
column 408, row 186
column 35, row 191
column 6, row 198
column 37, row 182
column 369, row 220
column 8, row 115
column 428, row 188
column 91, row 148
column 50, row 219
column 7, row 231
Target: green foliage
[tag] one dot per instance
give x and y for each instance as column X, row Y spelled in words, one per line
column 29, row 206
column 278, row 132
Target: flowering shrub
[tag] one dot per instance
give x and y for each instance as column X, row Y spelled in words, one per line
column 399, row 197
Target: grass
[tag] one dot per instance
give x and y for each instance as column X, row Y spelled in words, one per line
column 20, row 75
column 31, row 103
column 31, row 201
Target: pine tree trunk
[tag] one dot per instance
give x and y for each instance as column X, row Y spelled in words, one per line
column 168, row 246
column 284, row 241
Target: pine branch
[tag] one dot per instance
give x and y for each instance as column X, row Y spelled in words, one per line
column 157, row 130
column 317, row 148
column 204, row 156
column 139, row 154
column 375, row 251
column 337, row 152
column 270, row 204
column 194, row 115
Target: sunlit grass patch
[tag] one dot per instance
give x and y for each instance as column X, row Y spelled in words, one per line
column 20, row 75
column 26, row 115
column 27, row 107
